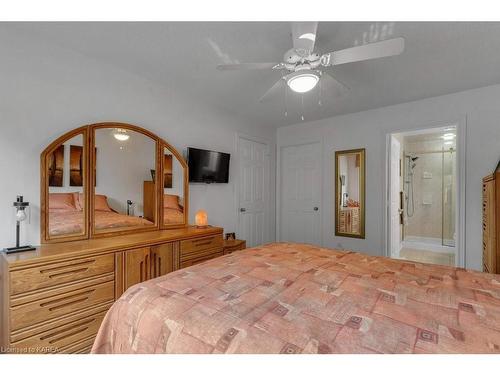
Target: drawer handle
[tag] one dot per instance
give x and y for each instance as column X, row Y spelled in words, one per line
column 81, row 297
column 66, row 273
column 67, row 266
column 203, row 243
column 71, row 331
column 203, row 239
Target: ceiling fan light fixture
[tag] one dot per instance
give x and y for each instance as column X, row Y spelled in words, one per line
column 303, row 82
column 121, row 135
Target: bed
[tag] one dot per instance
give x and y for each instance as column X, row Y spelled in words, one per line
column 66, row 215
column 295, row 298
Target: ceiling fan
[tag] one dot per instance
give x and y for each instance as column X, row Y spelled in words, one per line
column 303, row 65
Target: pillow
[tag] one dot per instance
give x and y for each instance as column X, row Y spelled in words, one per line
column 171, row 201
column 101, row 203
column 62, row 201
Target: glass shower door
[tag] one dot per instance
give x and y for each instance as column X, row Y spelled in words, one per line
column 449, row 191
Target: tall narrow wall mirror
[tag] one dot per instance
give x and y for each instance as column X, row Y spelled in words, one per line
column 350, row 193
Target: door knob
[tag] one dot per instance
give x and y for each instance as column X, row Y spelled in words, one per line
column 243, row 209
column 315, row 208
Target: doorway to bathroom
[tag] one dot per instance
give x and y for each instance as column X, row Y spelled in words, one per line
column 423, row 196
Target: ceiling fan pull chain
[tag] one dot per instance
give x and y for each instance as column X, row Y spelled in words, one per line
column 320, row 93
column 302, row 98
column 286, row 95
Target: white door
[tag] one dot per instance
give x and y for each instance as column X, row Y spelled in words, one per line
column 253, row 191
column 394, row 205
column 300, row 216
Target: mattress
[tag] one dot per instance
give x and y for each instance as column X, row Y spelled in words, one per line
column 295, row 298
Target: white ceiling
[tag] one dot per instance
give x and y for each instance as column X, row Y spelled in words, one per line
column 440, row 58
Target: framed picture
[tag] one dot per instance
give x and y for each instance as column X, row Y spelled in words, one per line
column 75, row 165
column 231, row 236
column 168, row 171
column 56, row 167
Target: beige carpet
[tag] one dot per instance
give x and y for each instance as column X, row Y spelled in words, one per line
column 424, row 256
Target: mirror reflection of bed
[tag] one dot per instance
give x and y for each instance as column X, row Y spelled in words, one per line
column 125, row 184
column 65, row 178
column 173, row 189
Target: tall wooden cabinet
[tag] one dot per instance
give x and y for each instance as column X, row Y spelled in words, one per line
column 491, row 223
column 54, row 300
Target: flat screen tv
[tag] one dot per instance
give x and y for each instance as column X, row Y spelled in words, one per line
column 208, row 166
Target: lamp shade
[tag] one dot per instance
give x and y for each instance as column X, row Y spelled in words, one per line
column 201, row 219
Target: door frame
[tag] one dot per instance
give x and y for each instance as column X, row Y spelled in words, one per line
column 267, row 197
column 389, row 193
column 461, row 124
column 279, row 186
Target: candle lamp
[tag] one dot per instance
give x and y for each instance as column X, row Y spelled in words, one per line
column 201, row 219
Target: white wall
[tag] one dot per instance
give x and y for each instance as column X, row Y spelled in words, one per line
column 481, row 112
column 46, row 91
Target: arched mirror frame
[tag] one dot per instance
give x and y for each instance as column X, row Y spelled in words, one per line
column 44, row 187
column 88, row 134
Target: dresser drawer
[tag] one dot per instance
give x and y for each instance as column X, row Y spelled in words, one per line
column 58, row 338
column 58, row 305
column 58, row 273
column 201, row 259
column 190, row 248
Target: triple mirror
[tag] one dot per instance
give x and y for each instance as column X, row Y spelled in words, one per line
column 350, row 193
column 103, row 179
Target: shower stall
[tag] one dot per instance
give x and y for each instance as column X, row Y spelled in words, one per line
column 429, row 193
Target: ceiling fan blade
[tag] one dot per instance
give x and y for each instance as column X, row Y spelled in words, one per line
column 247, row 66
column 304, row 37
column 275, row 89
column 390, row 47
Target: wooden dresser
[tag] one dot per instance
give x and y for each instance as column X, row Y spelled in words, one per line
column 491, row 223
column 230, row 246
column 55, row 298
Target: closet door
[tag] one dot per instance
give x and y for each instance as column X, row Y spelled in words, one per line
column 300, row 215
column 137, row 266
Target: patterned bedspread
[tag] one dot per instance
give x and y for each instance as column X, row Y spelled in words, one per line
column 291, row 298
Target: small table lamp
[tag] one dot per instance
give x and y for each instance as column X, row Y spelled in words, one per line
column 201, row 219
column 20, row 206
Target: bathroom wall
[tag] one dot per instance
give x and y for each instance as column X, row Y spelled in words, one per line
column 434, row 197
column 427, row 178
